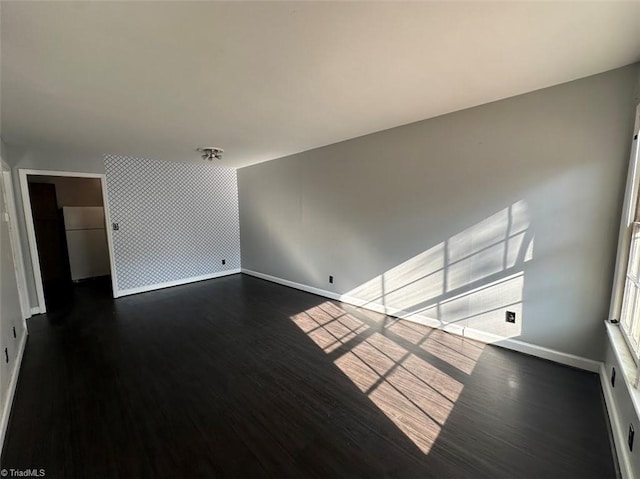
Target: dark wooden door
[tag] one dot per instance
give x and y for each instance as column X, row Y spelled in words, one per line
column 50, row 237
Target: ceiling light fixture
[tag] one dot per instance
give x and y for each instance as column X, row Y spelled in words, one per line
column 210, row 152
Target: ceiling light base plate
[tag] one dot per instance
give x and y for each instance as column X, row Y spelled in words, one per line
column 210, row 152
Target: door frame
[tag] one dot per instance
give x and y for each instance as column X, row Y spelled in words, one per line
column 31, row 232
column 16, row 246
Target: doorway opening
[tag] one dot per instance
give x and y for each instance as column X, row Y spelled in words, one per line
column 69, row 239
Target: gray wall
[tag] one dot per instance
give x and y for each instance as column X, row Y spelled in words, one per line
column 4, row 154
column 637, row 97
column 56, row 159
column 510, row 205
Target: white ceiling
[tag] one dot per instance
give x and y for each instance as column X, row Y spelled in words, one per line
column 267, row 79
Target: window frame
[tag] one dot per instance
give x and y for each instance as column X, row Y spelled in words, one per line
column 629, row 229
column 632, row 281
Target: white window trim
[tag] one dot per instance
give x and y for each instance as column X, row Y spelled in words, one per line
column 627, row 224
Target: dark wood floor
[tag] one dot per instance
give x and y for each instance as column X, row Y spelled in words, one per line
column 238, row 377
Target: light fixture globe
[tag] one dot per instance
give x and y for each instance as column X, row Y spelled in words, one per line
column 210, row 152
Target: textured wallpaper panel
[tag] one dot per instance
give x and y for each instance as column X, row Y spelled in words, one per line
column 176, row 220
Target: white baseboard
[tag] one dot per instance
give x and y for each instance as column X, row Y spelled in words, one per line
column 471, row 333
column 178, row 282
column 291, row 284
column 540, row 351
column 35, row 310
column 11, row 390
column 618, row 431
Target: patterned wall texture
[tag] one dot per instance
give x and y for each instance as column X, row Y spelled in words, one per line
column 176, row 220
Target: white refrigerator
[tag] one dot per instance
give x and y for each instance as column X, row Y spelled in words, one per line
column 86, row 241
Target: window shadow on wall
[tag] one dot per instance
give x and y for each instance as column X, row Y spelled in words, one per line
column 467, row 281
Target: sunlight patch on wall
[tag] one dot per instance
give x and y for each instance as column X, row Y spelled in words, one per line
column 470, row 279
column 482, row 308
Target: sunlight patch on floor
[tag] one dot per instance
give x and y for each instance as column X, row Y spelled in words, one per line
column 386, row 366
column 454, row 350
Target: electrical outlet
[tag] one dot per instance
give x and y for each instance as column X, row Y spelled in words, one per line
column 613, row 377
column 631, row 434
column 224, row 261
column 331, row 279
column 510, row 317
